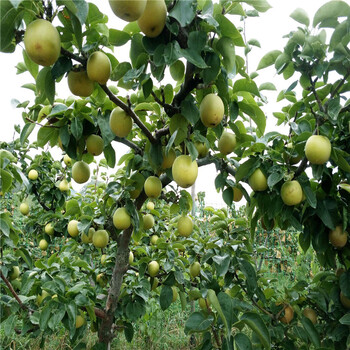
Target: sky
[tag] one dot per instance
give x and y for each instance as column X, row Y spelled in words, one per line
column 268, row 29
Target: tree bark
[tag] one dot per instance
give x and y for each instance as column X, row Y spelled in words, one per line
column 105, row 332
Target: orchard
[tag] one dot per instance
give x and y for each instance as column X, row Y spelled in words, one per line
column 92, row 260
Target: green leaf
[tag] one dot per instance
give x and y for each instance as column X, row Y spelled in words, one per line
column 242, row 342
column 32, row 67
column 274, row 178
column 246, row 85
column 268, row 59
column 77, row 128
column 26, row 131
column 246, row 168
column 62, row 65
column 109, row 154
column 79, row 8
column 310, row 196
column 9, row 325
column 166, row 297
column 221, row 263
column 216, row 305
column 6, row 179
column 250, row 275
column 180, row 124
column 325, row 215
column 44, row 135
column 227, row 28
column 338, row 158
column 344, row 283
column 255, row 113
column 267, row 86
column 7, row 26
column 45, row 316
column 311, row 331
column 45, row 85
column 118, row 37
column 345, row 319
column 196, row 43
column 192, row 150
column 227, row 195
column 330, row 10
column 198, row 322
column 340, row 32
column 189, row 109
column 134, row 310
column 24, row 254
column 300, row 16
column 128, row 331
column 259, row 5
column 184, row 12
column 256, row 323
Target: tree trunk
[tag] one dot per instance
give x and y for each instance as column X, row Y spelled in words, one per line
column 105, row 332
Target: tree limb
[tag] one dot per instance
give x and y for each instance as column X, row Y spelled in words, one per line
column 130, row 112
column 15, row 295
column 37, row 196
column 129, row 143
column 73, row 56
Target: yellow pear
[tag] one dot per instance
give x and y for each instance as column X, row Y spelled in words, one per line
column 99, row 67
column 291, row 193
column 79, row 83
column 153, row 187
column 42, row 42
column 24, row 208
column 63, row 185
column 227, row 143
column 148, row 221
column 73, row 228
column 121, row 219
column 258, row 181
column 80, row 172
column 49, row 229
column 211, row 110
column 128, row 10
column 168, row 159
column 185, row 226
column 43, row 244
column 318, row 149
column 120, row 122
column 153, row 268
column 33, row 175
column 94, row 144
column 100, row 238
column 153, row 18
column 185, row 171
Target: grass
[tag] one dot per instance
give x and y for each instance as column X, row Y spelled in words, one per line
column 157, row 330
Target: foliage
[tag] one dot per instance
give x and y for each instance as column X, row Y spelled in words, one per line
column 73, row 279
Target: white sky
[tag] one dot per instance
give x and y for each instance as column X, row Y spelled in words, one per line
column 268, row 29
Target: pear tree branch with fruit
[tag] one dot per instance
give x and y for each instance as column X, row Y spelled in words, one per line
column 97, row 256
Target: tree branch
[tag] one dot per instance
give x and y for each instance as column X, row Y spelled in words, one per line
column 161, row 132
column 121, row 266
column 37, row 196
column 129, row 143
column 73, row 56
column 188, row 85
column 170, row 110
column 130, row 112
column 313, row 90
column 9, row 285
